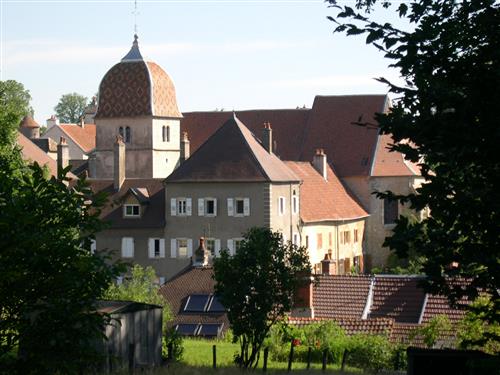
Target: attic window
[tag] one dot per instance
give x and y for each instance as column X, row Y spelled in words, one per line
column 132, row 210
column 202, row 303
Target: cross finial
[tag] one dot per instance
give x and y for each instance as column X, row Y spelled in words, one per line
column 135, row 12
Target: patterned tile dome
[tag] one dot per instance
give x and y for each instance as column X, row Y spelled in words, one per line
column 135, row 87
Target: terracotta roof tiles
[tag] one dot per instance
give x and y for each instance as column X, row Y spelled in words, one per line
column 82, row 136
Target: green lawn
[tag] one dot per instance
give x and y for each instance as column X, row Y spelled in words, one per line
column 197, row 359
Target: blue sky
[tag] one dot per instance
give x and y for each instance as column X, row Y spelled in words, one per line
column 220, row 54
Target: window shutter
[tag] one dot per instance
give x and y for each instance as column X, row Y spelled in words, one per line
column 151, row 248
column 162, row 248
column 246, row 207
column 201, row 206
column 284, row 239
column 173, row 207
column 173, row 248
column 230, row 207
column 230, row 246
column 217, row 248
column 188, row 206
column 215, row 207
column 190, row 247
column 124, row 247
column 162, row 280
column 93, row 246
column 119, row 280
column 132, row 243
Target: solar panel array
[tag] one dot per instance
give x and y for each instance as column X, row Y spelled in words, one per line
column 203, row 303
column 204, row 330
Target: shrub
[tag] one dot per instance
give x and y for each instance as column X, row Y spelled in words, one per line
column 370, row 352
column 174, row 338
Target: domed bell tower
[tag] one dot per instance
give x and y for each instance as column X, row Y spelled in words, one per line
column 137, row 101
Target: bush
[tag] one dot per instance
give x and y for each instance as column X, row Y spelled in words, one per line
column 174, row 338
column 370, row 352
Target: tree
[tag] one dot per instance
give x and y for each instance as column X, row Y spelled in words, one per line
column 444, row 118
column 49, row 280
column 256, row 286
column 70, row 107
column 140, row 287
column 14, row 105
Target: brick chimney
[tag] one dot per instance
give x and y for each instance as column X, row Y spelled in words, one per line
column 327, row 264
column 267, row 137
column 201, row 255
column 119, row 163
column 319, row 162
column 185, row 152
column 303, row 299
column 62, row 155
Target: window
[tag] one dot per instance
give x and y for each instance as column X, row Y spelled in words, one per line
column 295, row 204
column 238, row 207
column 156, row 248
column 215, row 305
column 237, row 244
column 295, row 239
column 390, row 211
column 356, row 239
column 210, row 330
column 307, row 241
column 127, row 247
column 120, row 131
column 345, row 237
column 132, row 210
column 180, row 206
column 127, row 134
column 234, row 244
column 281, row 206
column 207, row 207
column 198, row 329
column 161, row 280
column 197, row 303
column 319, row 240
column 210, row 245
column 165, row 133
column 187, row 329
column 181, row 247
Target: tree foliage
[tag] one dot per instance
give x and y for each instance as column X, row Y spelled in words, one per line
column 256, row 286
column 14, row 105
column 70, row 107
column 140, row 287
column 49, row 280
column 444, row 118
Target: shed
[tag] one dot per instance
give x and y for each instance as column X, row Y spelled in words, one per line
column 134, row 328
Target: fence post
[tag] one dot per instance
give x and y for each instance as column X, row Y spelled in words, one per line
column 170, row 351
column 290, row 357
column 309, row 358
column 325, row 355
column 266, row 354
column 131, row 358
column 344, row 359
column 214, row 356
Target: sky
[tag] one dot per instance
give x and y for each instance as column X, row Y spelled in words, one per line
column 221, row 54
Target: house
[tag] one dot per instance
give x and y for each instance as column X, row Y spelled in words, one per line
column 230, row 184
column 80, row 138
column 31, row 130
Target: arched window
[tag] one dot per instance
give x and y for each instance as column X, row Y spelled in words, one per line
column 127, row 134
column 120, row 131
column 164, row 133
column 168, row 134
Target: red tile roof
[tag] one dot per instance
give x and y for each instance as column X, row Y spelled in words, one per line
column 232, row 153
column 391, row 163
column 340, row 296
column 324, row 200
column 83, row 137
column 28, row 122
column 32, row 153
column 352, row 326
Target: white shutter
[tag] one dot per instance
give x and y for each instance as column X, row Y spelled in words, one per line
column 246, row 207
column 230, row 246
column 127, row 247
column 119, row 280
column 132, row 243
column 151, row 248
column 162, row 248
column 188, row 206
column 217, row 248
column 190, row 247
column 173, row 248
column 215, row 207
column 284, row 239
column 162, row 280
column 201, row 206
column 230, row 207
column 173, row 207
column 93, row 246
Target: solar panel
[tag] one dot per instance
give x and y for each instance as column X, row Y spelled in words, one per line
column 196, row 303
column 210, row 330
column 215, row 306
column 187, row 329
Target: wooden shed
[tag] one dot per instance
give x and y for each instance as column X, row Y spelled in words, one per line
column 134, row 335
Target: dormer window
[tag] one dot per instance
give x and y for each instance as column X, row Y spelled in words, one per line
column 132, row 210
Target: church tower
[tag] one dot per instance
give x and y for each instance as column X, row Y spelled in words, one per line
column 137, row 101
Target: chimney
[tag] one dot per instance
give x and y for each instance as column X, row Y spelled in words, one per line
column 200, row 256
column 81, row 123
column 184, row 147
column 327, row 264
column 319, row 162
column 267, row 137
column 119, row 163
column 53, row 120
column 303, row 299
column 62, row 155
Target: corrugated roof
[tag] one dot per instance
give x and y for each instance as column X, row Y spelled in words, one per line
column 233, row 154
column 321, row 199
